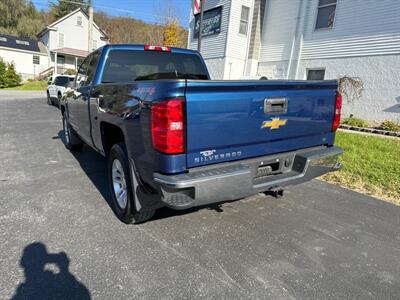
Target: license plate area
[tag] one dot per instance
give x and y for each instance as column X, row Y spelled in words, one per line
column 269, row 168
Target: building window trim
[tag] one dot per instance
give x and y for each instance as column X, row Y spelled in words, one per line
column 244, row 21
column 20, row 42
column 94, row 45
column 63, row 39
column 315, row 69
column 335, row 4
column 79, row 21
column 36, row 59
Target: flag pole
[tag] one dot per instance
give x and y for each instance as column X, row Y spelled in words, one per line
column 201, row 25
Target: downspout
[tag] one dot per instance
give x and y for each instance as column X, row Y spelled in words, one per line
column 227, row 38
column 248, row 39
column 55, row 63
column 294, row 38
column 263, row 22
column 290, row 57
column 300, row 52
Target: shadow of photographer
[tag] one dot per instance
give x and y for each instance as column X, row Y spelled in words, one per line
column 47, row 276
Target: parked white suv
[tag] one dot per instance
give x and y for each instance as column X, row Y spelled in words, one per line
column 56, row 88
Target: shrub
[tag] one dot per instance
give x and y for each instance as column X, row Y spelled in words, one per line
column 390, row 125
column 8, row 75
column 70, row 72
column 351, row 121
column 3, row 68
column 351, row 88
column 11, row 77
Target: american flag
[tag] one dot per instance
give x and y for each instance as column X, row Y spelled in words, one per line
column 196, row 6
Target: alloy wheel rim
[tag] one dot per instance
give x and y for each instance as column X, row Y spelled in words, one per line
column 119, row 184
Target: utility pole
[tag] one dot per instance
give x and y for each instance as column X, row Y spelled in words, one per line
column 201, row 25
column 90, row 33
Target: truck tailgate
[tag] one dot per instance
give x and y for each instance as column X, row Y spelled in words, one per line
column 231, row 120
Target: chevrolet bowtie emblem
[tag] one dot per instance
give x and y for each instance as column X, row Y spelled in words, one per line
column 275, row 123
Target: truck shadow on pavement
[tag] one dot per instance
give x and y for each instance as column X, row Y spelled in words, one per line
column 47, row 276
column 95, row 167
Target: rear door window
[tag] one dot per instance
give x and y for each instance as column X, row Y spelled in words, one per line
column 92, row 68
column 81, row 75
column 136, row 65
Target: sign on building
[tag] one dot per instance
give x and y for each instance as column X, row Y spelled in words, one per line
column 211, row 22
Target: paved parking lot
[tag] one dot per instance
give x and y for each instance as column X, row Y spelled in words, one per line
column 59, row 237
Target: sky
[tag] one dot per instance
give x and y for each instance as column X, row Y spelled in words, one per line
column 146, row 10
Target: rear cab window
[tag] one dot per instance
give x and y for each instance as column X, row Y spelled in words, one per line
column 135, row 65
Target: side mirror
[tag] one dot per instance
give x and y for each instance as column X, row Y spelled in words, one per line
column 49, row 82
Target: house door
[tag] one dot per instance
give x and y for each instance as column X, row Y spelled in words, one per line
column 60, row 64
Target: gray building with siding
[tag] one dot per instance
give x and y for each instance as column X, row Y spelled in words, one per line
column 310, row 39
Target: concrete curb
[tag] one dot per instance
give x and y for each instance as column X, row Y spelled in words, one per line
column 371, row 130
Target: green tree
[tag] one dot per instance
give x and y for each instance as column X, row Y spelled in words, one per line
column 3, row 68
column 171, row 34
column 11, row 77
column 20, row 17
column 60, row 8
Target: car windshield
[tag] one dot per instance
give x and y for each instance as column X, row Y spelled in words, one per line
column 63, row 81
column 128, row 66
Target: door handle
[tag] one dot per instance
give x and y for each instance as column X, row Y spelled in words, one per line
column 275, row 105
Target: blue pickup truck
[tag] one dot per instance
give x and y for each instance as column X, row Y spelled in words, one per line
column 175, row 138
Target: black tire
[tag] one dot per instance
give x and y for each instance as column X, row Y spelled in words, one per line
column 49, row 99
column 59, row 100
column 72, row 140
column 127, row 213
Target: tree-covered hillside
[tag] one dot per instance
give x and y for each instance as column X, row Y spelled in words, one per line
column 21, row 18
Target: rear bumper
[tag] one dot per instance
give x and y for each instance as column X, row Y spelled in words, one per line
column 237, row 180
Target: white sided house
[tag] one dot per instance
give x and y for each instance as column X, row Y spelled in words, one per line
column 67, row 40
column 28, row 56
column 308, row 39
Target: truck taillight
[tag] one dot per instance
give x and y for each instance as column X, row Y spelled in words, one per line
column 157, row 48
column 168, row 126
column 338, row 112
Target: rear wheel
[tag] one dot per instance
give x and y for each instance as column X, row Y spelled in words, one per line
column 59, row 100
column 48, row 99
column 72, row 140
column 121, row 187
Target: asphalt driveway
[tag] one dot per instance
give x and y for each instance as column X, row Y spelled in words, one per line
column 59, row 237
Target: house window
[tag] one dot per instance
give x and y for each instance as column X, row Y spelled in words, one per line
column 326, row 14
column 79, row 20
column 3, row 39
column 94, row 45
column 22, row 42
column 36, row 60
column 315, row 74
column 61, row 39
column 244, row 20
